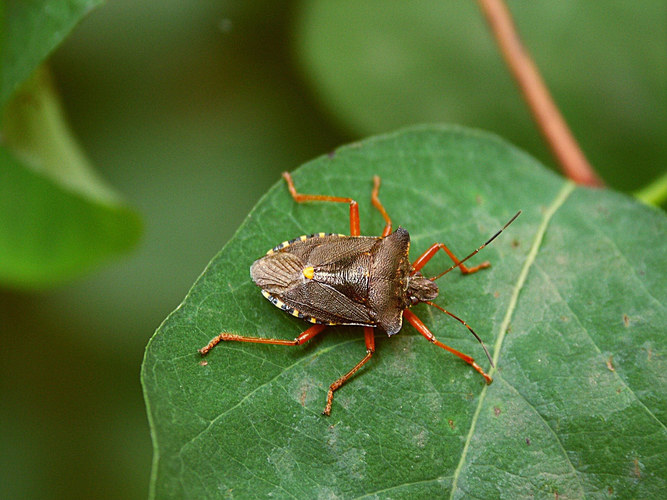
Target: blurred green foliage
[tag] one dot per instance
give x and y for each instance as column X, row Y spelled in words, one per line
column 31, row 30
column 58, row 219
column 191, row 110
column 379, row 68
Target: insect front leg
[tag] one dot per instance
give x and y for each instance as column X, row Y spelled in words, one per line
column 421, row 328
column 370, row 349
column 428, row 255
column 304, row 337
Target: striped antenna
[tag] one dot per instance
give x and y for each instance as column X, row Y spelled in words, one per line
column 464, row 324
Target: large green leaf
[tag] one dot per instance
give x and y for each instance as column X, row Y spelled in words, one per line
column 572, row 310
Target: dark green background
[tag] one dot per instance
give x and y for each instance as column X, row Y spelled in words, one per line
column 192, row 109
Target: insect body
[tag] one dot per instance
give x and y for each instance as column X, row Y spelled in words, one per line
column 334, row 279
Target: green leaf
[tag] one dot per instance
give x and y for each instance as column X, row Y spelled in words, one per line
column 377, row 68
column 57, row 218
column 31, row 30
column 573, row 311
column 49, row 234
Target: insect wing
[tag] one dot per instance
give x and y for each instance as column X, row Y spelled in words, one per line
column 322, row 278
column 329, row 249
column 325, row 304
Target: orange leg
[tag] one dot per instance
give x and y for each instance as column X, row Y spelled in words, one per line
column 428, row 255
column 354, row 206
column 421, row 328
column 300, row 198
column 304, row 337
column 378, row 204
column 370, row 349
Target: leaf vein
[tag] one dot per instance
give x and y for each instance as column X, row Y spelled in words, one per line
column 599, row 351
column 265, row 384
column 561, row 197
column 403, row 485
column 558, row 440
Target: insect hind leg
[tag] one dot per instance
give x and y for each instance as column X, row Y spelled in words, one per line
column 370, row 349
column 304, row 337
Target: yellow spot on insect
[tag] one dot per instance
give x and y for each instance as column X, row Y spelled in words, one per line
column 309, row 272
column 295, row 313
column 312, row 320
column 303, row 238
column 321, row 235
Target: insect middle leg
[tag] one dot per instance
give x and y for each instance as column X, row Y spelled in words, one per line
column 300, row 198
column 370, row 349
column 421, row 328
column 304, row 337
column 378, row 204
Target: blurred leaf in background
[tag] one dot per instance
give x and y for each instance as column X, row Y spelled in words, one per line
column 31, row 30
column 376, row 68
column 57, row 217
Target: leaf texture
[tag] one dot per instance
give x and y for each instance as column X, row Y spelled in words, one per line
column 573, row 310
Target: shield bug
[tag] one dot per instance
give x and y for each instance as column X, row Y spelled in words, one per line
column 334, row 279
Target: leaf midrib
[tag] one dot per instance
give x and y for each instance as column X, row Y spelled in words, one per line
column 561, row 197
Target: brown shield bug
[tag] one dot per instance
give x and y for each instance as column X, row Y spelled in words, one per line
column 333, row 279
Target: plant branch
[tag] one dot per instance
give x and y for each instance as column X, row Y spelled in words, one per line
column 572, row 160
column 655, row 193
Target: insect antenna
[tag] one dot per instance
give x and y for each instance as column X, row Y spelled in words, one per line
column 477, row 250
column 464, row 324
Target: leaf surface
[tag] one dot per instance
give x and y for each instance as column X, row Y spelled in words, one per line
column 572, row 310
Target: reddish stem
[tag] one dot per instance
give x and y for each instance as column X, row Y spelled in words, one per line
column 551, row 123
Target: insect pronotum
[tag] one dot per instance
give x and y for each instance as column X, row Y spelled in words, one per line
column 334, row 279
